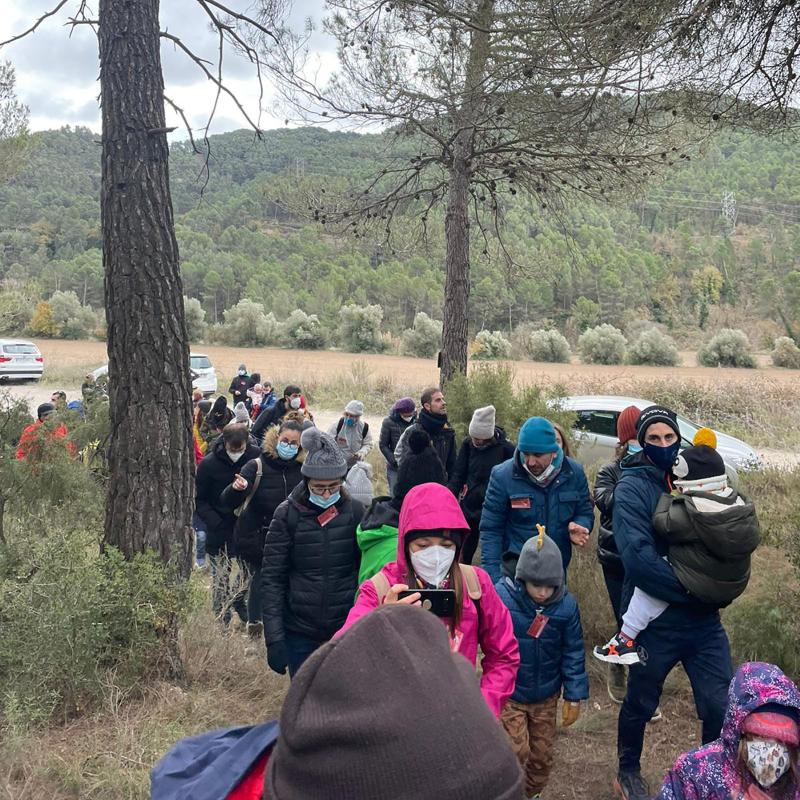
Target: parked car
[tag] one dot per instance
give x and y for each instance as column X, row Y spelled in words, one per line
column 596, row 430
column 204, row 376
column 20, row 360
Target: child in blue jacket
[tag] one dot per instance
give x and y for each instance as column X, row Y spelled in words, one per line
column 547, row 625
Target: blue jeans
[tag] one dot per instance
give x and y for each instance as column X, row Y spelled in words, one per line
column 226, row 589
column 299, row 649
column 705, row 654
column 199, row 536
column 391, row 478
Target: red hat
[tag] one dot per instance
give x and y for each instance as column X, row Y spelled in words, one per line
column 779, row 725
column 626, row 424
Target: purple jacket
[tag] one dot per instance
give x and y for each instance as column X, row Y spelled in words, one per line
column 710, row 772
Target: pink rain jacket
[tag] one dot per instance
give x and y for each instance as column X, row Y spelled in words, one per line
column 434, row 507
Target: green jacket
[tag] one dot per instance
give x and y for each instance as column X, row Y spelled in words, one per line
column 377, row 537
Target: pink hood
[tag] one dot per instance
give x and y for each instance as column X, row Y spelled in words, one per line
column 431, row 506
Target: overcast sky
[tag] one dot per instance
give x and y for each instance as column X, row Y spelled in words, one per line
column 57, row 76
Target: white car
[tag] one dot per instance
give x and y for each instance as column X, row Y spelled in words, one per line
column 596, row 430
column 204, row 376
column 20, row 360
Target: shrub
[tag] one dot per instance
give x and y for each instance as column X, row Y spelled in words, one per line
column 70, row 319
column 360, row 328
column 195, row 318
column 604, row 344
column 16, row 311
column 304, row 331
column 41, row 323
column 247, row 324
column 547, row 345
column 424, row 339
column 786, row 353
column 489, row 345
column 729, row 348
column 655, row 348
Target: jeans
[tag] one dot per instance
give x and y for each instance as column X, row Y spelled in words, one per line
column 226, row 591
column 254, row 594
column 299, row 648
column 614, row 576
column 200, row 536
column 705, row 654
column 391, row 478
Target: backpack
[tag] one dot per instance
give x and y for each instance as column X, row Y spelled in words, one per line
column 340, row 425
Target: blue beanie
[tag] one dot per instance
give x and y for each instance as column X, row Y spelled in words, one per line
column 537, row 435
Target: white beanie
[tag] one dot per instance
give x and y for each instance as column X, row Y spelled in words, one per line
column 240, row 412
column 482, row 424
column 354, row 407
column 359, row 482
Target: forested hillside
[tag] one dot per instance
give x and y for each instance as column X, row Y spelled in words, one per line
column 672, row 256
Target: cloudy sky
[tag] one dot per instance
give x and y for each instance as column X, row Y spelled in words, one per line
column 57, row 76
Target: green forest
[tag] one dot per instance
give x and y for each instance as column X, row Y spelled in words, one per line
column 714, row 243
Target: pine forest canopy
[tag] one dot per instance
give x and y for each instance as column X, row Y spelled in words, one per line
column 645, row 258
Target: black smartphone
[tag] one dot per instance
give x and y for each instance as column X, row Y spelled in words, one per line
column 441, row 602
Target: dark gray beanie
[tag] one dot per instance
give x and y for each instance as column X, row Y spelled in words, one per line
column 324, row 460
column 387, row 711
column 540, row 562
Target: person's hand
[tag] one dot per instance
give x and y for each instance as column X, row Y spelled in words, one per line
column 578, row 534
column 278, row 657
column 240, row 483
column 392, row 595
column 569, row 713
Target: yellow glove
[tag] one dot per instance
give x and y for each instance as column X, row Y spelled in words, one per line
column 570, row 713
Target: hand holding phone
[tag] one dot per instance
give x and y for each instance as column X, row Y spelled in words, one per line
column 441, row 602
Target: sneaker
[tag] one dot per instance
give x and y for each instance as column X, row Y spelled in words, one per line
column 200, row 563
column 619, row 650
column 534, row 797
column 631, row 786
column 617, row 683
column 255, row 629
column 656, row 715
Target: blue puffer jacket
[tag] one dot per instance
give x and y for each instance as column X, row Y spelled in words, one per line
column 514, row 504
column 642, row 552
column 556, row 658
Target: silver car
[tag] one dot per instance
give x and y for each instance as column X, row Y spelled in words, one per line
column 20, row 360
column 596, row 430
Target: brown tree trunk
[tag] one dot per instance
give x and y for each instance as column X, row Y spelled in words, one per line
column 151, row 459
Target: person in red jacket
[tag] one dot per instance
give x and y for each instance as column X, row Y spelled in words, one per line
column 30, row 441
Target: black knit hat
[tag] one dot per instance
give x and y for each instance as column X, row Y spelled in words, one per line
column 421, row 464
column 699, row 463
column 386, row 710
column 653, row 414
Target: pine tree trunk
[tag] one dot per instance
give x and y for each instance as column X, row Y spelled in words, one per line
column 150, row 492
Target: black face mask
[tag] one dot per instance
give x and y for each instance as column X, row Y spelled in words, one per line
column 662, row 457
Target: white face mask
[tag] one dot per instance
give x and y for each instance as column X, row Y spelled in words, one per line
column 234, row 456
column 407, row 418
column 768, row 760
column 432, row 564
column 295, row 403
column 549, row 470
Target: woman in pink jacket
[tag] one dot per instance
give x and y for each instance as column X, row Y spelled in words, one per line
column 431, row 533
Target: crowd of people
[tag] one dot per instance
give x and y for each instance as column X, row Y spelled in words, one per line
column 342, row 584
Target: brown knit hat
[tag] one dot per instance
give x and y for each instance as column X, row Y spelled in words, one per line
column 387, row 711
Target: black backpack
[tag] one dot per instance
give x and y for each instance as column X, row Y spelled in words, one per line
column 340, row 425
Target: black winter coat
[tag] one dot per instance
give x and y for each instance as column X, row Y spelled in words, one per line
column 238, row 388
column 607, row 479
column 393, row 427
column 214, row 473
column 278, row 478
column 309, row 573
column 472, row 470
column 269, row 417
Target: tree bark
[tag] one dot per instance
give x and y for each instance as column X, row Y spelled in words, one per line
column 151, row 459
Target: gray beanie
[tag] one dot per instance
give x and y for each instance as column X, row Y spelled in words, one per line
column 540, row 562
column 354, row 407
column 482, row 424
column 240, row 412
column 324, row 459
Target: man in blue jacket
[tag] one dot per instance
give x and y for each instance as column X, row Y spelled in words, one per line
column 538, row 486
column 688, row 632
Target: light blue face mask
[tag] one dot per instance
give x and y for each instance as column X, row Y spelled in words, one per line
column 324, row 502
column 633, row 449
column 287, row 451
column 349, row 421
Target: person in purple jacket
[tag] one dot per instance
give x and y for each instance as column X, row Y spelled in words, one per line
column 756, row 757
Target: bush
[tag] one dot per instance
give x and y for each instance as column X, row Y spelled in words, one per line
column 41, row 323
column 654, row 348
column 16, row 311
column 195, row 318
column 424, row 339
column 604, row 344
column 70, row 319
column 490, row 345
column 549, row 346
column 247, row 325
column 360, row 328
column 786, row 353
column 304, row 331
column 729, row 348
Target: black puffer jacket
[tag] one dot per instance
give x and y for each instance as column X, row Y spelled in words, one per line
column 214, row 473
column 269, row 417
column 392, row 428
column 710, row 540
column 472, row 470
column 607, row 479
column 309, row 574
column 278, row 478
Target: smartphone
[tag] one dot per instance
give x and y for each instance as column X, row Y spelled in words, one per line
column 441, row 602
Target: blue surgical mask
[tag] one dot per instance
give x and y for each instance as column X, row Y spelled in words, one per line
column 662, row 457
column 633, row 449
column 324, row 502
column 287, row 451
column 349, row 422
